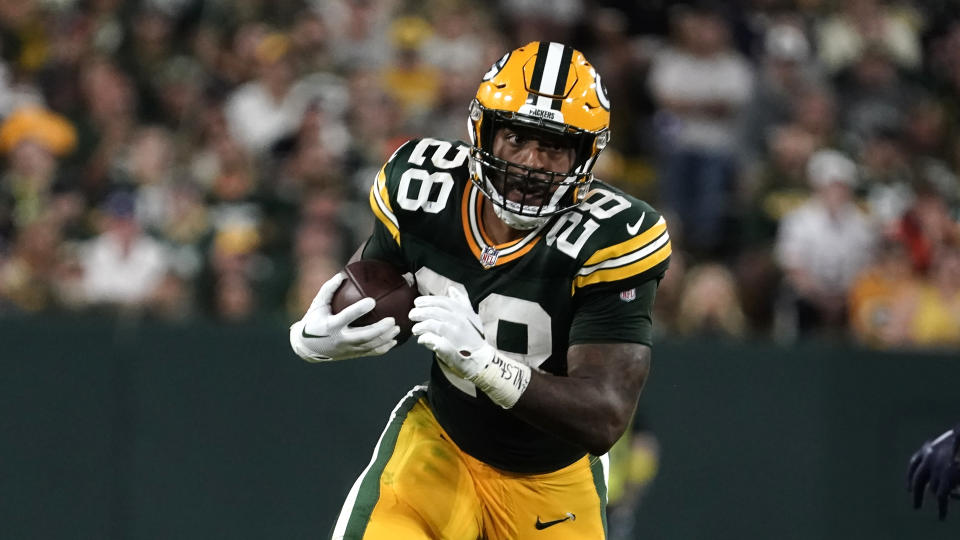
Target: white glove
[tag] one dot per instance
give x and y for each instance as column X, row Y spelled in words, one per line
column 320, row 335
column 448, row 326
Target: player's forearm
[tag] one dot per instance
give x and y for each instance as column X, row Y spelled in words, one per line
column 589, row 407
column 578, row 411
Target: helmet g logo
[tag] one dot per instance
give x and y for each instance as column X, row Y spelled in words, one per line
column 496, row 67
column 601, row 91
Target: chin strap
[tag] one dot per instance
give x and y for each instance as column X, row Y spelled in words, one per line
column 517, row 221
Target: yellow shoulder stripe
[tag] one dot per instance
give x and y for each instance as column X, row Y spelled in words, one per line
column 380, row 204
column 623, row 272
column 627, row 246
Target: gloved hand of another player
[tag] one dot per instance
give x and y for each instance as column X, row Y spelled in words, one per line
column 448, row 326
column 321, row 335
column 936, row 464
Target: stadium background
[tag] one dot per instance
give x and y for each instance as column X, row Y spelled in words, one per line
column 163, row 218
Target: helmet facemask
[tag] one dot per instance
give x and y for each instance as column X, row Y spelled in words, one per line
column 525, row 197
column 550, row 92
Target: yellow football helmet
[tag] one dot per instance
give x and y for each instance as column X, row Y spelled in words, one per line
column 546, row 87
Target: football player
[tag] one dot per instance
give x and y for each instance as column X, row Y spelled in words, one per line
column 537, row 283
column 936, row 466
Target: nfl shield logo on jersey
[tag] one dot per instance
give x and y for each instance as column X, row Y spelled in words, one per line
column 628, row 295
column 489, row 256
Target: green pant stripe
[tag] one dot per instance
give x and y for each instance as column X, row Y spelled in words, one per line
column 599, row 482
column 369, row 482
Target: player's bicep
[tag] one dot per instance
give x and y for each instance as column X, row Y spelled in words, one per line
column 609, row 361
column 615, row 314
column 610, row 344
column 619, row 370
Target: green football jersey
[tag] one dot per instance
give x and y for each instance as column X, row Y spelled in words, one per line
column 587, row 275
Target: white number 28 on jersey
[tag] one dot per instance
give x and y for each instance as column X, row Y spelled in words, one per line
column 420, row 189
column 493, row 309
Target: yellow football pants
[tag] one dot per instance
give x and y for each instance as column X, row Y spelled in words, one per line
column 420, row 485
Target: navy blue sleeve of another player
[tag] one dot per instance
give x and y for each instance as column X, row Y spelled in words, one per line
column 936, row 467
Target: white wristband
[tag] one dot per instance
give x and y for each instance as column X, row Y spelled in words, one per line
column 503, row 380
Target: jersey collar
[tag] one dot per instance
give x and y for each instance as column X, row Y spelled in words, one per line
column 487, row 253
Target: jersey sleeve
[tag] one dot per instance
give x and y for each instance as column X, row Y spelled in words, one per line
column 615, row 285
column 605, row 315
column 637, row 250
column 384, row 243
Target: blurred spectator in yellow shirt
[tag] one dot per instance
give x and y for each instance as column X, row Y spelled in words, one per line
column 874, row 293
column 928, row 315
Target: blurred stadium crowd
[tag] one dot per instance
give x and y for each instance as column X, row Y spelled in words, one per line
column 176, row 159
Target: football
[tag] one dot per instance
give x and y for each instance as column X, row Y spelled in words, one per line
column 384, row 283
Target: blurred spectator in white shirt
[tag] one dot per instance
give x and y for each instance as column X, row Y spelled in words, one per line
column 842, row 37
column 270, row 107
column 822, row 246
column 700, row 87
column 122, row 266
column 15, row 94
